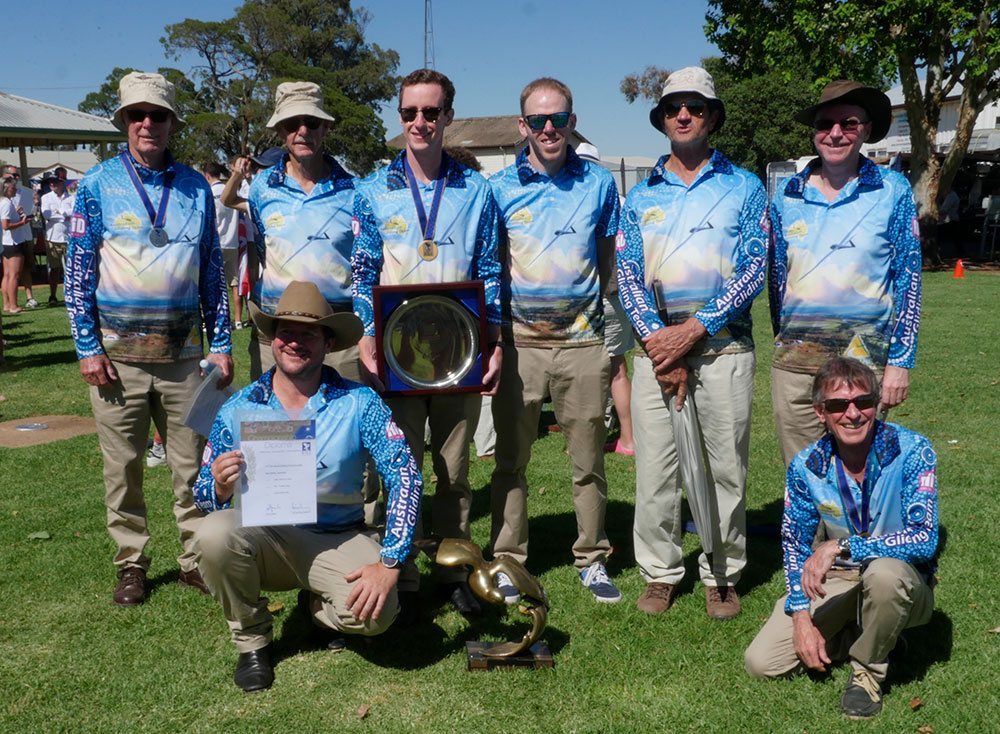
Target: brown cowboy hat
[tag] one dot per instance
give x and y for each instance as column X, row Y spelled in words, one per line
column 843, row 91
column 302, row 302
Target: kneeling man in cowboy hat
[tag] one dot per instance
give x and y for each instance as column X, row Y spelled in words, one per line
column 350, row 577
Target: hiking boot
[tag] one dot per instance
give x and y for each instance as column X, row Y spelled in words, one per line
column 657, row 598
column 862, row 698
column 721, row 602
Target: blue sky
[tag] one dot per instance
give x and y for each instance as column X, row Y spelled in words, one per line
column 489, row 49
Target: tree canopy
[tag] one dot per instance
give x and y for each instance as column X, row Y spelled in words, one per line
column 937, row 49
column 227, row 96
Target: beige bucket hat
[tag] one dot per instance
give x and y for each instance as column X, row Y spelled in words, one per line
column 141, row 86
column 303, row 302
column 692, row 80
column 292, row 99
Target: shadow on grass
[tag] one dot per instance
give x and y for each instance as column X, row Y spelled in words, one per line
column 927, row 646
column 17, row 361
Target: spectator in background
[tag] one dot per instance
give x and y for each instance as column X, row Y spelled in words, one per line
column 16, row 232
column 227, row 225
column 56, row 210
column 24, row 203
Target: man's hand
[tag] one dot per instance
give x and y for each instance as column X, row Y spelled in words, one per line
column 226, row 472
column 367, row 598
column 369, row 365
column 225, row 364
column 491, row 380
column 98, row 370
column 674, row 381
column 815, row 568
column 809, row 643
column 895, row 385
column 665, row 346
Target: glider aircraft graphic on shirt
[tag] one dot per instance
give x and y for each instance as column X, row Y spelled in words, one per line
column 846, row 243
column 566, row 229
column 703, row 225
column 320, row 235
column 182, row 237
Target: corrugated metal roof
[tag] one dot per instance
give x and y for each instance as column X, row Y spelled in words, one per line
column 28, row 119
column 483, row 132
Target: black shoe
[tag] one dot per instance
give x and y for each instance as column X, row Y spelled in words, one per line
column 254, row 671
column 409, row 609
column 322, row 636
column 461, row 597
column 862, row 698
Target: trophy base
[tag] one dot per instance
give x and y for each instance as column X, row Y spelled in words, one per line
column 537, row 656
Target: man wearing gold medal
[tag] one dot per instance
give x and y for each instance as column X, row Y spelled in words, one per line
column 425, row 218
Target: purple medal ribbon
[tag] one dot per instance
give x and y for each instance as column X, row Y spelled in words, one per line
column 427, row 222
column 858, row 519
column 158, row 217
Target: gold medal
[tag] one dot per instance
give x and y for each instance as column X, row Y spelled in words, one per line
column 428, row 250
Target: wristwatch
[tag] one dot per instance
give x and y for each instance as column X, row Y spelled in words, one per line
column 845, row 546
column 389, row 562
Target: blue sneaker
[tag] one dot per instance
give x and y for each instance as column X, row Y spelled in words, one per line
column 595, row 577
column 506, row 587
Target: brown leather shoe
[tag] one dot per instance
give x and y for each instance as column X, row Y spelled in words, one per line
column 131, row 588
column 657, row 598
column 193, row 579
column 721, row 602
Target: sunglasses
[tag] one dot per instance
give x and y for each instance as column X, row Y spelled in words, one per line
column 156, row 116
column 695, row 107
column 847, row 125
column 294, row 123
column 409, row 114
column 537, row 122
column 840, row 405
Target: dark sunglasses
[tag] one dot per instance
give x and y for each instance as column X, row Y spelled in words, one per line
column 156, row 116
column 697, row 108
column 294, row 123
column 409, row 114
column 847, row 125
column 840, row 405
column 537, row 122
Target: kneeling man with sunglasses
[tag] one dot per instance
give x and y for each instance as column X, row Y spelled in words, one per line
column 873, row 488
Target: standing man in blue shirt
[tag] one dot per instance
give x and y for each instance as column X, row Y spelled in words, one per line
column 302, row 207
column 559, row 215
column 871, row 488
column 691, row 259
column 457, row 212
column 844, row 271
column 144, row 276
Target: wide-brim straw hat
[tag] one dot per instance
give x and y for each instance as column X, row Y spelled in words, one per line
column 844, row 91
column 292, row 99
column 139, row 86
column 689, row 80
column 302, row 302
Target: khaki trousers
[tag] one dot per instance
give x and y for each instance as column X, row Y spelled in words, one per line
column 892, row 596
column 794, row 418
column 453, row 418
column 237, row 563
column 722, row 387
column 123, row 411
column 576, row 379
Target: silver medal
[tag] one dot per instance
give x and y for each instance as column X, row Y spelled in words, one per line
column 158, row 237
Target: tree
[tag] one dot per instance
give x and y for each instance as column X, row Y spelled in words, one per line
column 954, row 44
column 759, row 128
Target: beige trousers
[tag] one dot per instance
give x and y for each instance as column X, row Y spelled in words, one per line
column 858, row 618
column 453, row 418
column 794, row 418
column 577, row 380
column 722, row 387
column 237, row 563
column 123, row 411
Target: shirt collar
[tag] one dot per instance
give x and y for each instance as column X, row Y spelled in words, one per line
column 717, row 163
column 339, row 178
column 868, row 175
column 885, row 447
column 525, row 171
column 331, row 386
column 396, row 174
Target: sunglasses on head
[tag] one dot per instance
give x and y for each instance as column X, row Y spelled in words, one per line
column 847, row 125
column 840, row 405
column 157, row 116
column 537, row 122
column 696, row 107
column 294, row 123
column 409, row 114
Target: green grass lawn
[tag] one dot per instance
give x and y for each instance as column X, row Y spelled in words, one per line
column 71, row 661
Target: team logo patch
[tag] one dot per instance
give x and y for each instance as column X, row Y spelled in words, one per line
column 829, row 508
column 395, row 225
column 355, row 226
column 858, row 350
column 128, row 220
column 797, row 231
column 916, row 227
column 393, row 432
column 927, row 482
column 765, row 222
column 207, row 453
column 275, row 221
column 521, row 216
column 653, row 215
column 78, row 225
column 620, row 241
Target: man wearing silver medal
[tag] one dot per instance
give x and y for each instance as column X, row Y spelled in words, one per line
column 143, row 277
column 425, row 218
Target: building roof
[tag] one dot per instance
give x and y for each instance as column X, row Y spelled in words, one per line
column 483, row 132
column 24, row 120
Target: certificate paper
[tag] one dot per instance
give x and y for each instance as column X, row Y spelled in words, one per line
column 279, row 486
